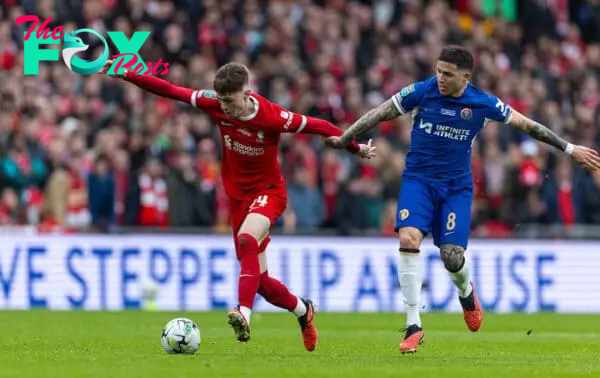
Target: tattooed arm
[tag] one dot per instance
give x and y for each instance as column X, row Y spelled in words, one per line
column 586, row 157
column 404, row 101
column 539, row 132
column 384, row 112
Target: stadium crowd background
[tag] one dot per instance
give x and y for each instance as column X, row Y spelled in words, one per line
column 88, row 153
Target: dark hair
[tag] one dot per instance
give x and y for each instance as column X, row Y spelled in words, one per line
column 457, row 55
column 231, row 78
column 102, row 158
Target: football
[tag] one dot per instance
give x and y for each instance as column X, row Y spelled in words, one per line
column 181, row 336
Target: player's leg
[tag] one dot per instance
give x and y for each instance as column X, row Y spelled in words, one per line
column 252, row 240
column 452, row 240
column 252, row 232
column 239, row 321
column 409, row 276
column 413, row 222
column 277, row 294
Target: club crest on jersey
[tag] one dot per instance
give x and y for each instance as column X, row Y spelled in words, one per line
column 404, row 214
column 466, row 114
column 260, row 137
column 407, row 90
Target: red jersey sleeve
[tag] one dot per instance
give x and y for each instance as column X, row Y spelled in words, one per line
column 205, row 99
column 279, row 120
column 202, row 99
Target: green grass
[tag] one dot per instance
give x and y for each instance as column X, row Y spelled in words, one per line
column 127, row 344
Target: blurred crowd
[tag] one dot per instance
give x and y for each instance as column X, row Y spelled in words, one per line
column 88, row 153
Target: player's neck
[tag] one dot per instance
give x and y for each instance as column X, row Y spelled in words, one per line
column 461, row 90
column 249, row 107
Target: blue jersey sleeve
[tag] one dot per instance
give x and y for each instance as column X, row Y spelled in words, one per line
column 410, row 96
column 497, row 110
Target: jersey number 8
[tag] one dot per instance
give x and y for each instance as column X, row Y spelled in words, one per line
column 451, row 223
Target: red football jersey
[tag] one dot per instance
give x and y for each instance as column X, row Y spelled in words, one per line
column 250, row 144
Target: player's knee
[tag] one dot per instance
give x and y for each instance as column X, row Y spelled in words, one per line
column 409, row 238
column 453, row 257
column 256, row 225
column 247, row 242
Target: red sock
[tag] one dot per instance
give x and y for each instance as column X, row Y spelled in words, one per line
column 250, row 270
column 276, row 293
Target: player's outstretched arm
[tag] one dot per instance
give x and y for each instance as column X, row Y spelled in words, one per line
column 280, row 120
column 153, row 84
column 326, row 129
column 384, row 112
column 586, row 157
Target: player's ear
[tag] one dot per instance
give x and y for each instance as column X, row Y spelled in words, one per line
column 467, row 75
column 247, row 92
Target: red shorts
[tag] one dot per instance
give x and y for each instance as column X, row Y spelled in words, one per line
column 271, row 204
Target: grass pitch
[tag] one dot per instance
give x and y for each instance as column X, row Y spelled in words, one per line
column 127, row 344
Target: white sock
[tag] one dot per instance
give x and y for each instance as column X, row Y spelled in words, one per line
column 300, row 309
column 246, row 312
column 409, row 276
column 462, row 280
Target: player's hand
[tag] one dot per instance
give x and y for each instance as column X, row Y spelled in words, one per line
column 367, row 151
column 586, row 157
column 335, row 142
column 107, row 66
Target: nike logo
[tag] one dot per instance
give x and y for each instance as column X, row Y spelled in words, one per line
column 226, row 123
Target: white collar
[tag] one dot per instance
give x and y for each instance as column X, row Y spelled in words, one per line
column 251, row 116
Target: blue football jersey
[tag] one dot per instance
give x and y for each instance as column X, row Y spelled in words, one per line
column 444, row 127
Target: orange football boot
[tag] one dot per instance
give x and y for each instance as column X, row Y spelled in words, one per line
column 310, row 336
column 412, row 340
column 472, row 311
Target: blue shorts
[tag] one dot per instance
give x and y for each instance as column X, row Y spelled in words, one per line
column 440, row 207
